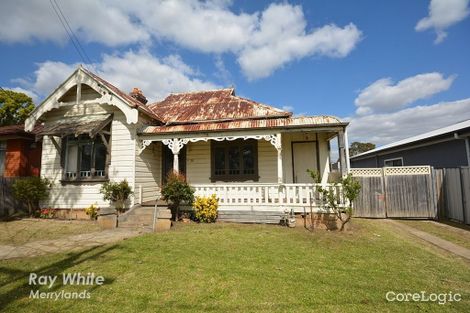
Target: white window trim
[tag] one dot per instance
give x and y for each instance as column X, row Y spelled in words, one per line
column 393, row 159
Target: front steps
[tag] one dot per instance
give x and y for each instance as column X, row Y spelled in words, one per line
column 249, row 216
column 142, row 216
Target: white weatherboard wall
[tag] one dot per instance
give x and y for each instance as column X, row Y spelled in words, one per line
column 80, row 195
column 148, row 169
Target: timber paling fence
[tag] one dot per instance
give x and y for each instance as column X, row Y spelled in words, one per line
column 8, row 204
column 414, row 192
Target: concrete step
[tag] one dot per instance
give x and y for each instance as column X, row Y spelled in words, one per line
column 249, row 221
column 246, row 216
column 139, row 219
column 136, row 226
column 141, row 212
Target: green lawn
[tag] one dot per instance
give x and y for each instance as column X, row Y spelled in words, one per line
column 458, row 234
column 247, row 268
column 18, row 232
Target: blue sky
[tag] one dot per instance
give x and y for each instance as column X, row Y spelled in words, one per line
column 392, row 68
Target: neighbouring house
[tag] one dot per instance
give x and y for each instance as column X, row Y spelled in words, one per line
column 20, row 154
column 252, row 156
column 441, row 148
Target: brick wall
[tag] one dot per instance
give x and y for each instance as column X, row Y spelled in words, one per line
column 21, row 159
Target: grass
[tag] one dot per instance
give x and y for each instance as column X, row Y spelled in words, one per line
column 18, row 232
column 458, row 234
column 246, row 268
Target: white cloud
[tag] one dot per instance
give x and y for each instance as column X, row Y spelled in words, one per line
column 91, row 21
column 281, row 38
column 385, row 96
column 386, row 128
column 157, row 78
column 203, row 26
column 443, row 14
column 262, row 42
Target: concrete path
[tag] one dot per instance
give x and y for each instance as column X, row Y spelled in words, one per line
column 439, row 242
column 66, row 244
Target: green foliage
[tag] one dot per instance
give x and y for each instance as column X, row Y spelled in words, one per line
column 15, row 107
column 177, row 191
column 331, row 196
column 314, row 175
column 117, row 192
column 360, row 147
column 205, row 208
column 92, row 211
column 31, row 190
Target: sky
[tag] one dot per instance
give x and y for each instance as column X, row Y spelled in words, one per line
column 393, row 69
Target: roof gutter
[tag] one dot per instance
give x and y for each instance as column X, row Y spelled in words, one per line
column 295, row 127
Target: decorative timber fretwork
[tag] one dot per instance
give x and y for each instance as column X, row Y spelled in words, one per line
column 176, row 144
column 77, row 79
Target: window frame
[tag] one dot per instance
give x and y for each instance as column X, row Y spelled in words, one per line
column 392, row 160
column 80, row 142
column 240, row 144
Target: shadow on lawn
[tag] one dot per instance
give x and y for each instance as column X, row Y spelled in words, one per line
column 15, row 276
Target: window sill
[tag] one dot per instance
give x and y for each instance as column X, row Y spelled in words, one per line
column 84, row 180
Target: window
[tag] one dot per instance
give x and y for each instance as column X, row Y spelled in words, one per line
column 85, row 158
column 393, row 162
column 234, row 160
column 3, row 150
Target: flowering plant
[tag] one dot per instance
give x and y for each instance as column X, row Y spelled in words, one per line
column 92, row 211
column 46, row 213
column 205, row 209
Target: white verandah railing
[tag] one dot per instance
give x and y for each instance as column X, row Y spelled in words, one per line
column 269, row 196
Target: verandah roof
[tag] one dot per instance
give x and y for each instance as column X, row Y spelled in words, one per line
column 76, row 125
column 291, row 122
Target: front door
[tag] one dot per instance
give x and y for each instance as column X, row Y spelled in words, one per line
column 167, row 160
column 304, row 156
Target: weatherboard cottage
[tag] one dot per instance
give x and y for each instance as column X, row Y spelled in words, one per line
column 252, row 156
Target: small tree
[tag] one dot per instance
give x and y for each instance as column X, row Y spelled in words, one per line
column 15, row 107
column 118, row 193
column 31, row 190
column 351, row 188
column 360, row 147
column 177, row 191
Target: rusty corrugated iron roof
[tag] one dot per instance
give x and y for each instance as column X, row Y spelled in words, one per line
column 213, row 105
column 291, row 122
column 76, row 125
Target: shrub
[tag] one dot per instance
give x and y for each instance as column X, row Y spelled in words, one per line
column 117, row 193
column 205, row 208
column 177, row 191
column 31, row 190
column 92, row 211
